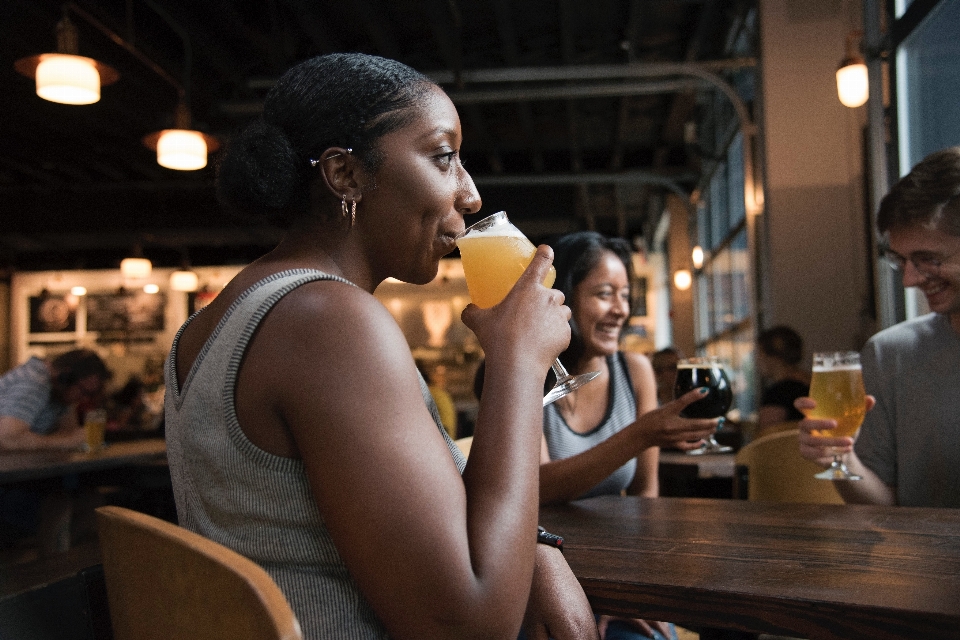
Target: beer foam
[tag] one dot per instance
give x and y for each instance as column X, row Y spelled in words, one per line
column 836, row 367
column 498, row 230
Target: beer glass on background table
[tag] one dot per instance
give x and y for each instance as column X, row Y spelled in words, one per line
column 494, row 254
column 837, row 388
column 94, row 426
column 693, row 373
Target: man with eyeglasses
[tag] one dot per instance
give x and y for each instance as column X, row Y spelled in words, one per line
column 38, row 398
column 908, row 449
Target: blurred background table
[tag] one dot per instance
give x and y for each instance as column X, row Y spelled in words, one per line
column 825, row 572
column 21, row 466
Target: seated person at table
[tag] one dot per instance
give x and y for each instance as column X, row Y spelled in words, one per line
column 778, row 357
column 908, row 449
column 299, row 432
column 38, row 400
column 604, row 438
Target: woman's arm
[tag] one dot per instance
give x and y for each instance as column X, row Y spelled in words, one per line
column 435, row 554
column 646, row 480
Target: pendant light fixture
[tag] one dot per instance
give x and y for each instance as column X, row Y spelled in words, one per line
column 181, row 148
column 853, row 87
column 136, row 267
column 64, row 76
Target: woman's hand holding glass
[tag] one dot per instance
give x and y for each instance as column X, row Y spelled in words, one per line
column 531, row 319
column 665, row 427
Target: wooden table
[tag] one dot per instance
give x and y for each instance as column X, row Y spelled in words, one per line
column 36, row 465
column 831, row 572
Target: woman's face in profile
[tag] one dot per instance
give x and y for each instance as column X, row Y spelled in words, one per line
column 414, row 211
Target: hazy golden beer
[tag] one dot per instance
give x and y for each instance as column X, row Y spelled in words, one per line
column 837, row 388
column 95, row 426
column 493, row 259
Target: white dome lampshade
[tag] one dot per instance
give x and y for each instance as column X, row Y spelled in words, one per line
column 135, row 268
column 184, row 281
column 68, row 79
column 181, row 149
column 853, row 87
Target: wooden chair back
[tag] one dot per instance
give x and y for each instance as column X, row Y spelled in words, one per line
column 165, row 582
column 464, row 444
column 777, row 473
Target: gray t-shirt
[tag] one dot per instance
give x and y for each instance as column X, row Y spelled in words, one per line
column 25, row 393
column 911, row 439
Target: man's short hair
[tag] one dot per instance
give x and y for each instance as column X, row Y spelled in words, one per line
column 783, row 343
column 927, row 196
column 73, row 366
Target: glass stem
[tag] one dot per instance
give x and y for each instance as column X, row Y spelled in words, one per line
column 559, row 370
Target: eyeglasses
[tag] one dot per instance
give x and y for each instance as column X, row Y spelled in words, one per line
column 925, row 263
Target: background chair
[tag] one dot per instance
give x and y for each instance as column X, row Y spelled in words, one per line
column 166, row 582
column 776, row 472
column 464, row 444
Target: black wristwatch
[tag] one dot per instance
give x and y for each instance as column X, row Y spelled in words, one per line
column 543, row 537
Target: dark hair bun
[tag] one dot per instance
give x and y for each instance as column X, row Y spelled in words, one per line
column 259, row 170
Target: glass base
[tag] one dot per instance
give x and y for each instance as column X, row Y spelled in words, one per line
column 710, row 446
column 837, row 471
column 567, row 384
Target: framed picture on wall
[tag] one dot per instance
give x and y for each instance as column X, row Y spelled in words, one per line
column 53, row 314
column 125, row 312
column 638, row 304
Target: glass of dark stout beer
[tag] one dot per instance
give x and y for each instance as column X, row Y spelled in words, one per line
column 693, row 373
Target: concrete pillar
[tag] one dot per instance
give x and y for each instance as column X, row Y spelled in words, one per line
column 814, row 245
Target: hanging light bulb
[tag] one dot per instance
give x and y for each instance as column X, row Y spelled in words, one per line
column 135, row 268
column 181, row 148
column 697, row 257
column 682, row 279
column 853, row 86
column 66, row 77
column 184, row 280
column 151, row 288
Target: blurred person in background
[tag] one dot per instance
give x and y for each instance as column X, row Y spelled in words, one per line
column 664, row 364
column 778, row 358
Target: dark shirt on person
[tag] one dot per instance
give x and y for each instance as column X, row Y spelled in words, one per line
column 782, row 394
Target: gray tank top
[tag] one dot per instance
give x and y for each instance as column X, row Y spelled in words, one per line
column 258, row 504
column 564, row 442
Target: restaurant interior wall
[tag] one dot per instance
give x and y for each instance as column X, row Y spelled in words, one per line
column 816, row 259
column 133, row 330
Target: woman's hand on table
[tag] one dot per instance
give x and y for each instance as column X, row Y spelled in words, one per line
column 557, row 607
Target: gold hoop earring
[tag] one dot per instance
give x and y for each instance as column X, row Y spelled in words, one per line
column 343, row 207
column 353, row 213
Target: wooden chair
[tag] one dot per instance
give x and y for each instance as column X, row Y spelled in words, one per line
column 165, row 582
column 464, row 444
column 777, row 473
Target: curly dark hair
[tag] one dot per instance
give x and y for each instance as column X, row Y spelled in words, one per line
column 348, row 100
column 574, row 256
column 929, row 195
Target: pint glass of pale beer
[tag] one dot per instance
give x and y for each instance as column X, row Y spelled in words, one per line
column 837, row 388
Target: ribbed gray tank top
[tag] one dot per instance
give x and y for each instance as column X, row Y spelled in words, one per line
column 256, row 503
column 564, row 442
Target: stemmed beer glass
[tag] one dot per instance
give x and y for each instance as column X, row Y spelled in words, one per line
column 693, row 373
column 495, row 253
column 837, row 388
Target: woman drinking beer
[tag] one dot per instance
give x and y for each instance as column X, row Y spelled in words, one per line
column 299, row 431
